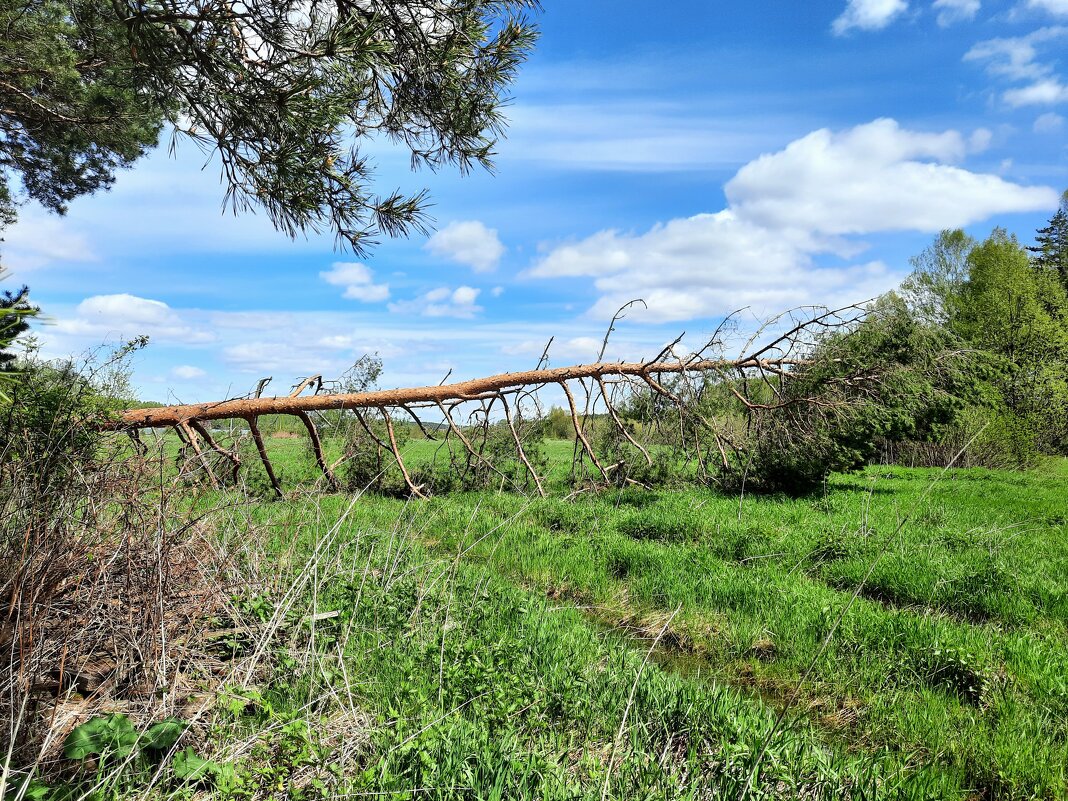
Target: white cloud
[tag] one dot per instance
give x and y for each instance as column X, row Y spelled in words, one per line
column 1049, row 123
column 40, row 239
column 294, row 349
column 187, row 372
column 469, row 243
column 875, row 177
column 1049, row 92
column 358, row 280
column 442, row 302
column 125, row 316
column 784, row 210
column 1058, row 8
column 262, row 357
column 705, row 266
column 1016, row 59
column 980, row 140
column 465, row 296
column 952, row 11
column 868, row 15
column 577, row 349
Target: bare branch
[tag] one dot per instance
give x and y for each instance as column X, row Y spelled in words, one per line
column 234, row 459
column 579, row 434
column 416, row 491
column 258, row 439
column 317, row 448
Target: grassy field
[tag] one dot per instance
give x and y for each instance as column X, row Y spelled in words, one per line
column 640, row 644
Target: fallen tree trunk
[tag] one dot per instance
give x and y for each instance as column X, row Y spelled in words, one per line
column 764, row 367
column 476, row 389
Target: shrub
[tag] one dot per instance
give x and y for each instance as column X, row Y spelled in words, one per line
column 368, row 465
column 885, row 379
column 98, row 568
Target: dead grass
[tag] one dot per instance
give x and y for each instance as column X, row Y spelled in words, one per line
column 112, row 594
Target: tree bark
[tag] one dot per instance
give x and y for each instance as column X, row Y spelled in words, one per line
column 167, row 416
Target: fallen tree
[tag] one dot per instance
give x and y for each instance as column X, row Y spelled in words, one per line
column 756, row 381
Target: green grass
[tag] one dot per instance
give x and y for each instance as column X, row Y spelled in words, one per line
column 498, row 641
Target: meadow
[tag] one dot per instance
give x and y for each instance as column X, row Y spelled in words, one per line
column 901, row 634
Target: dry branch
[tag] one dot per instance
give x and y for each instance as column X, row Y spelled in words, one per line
column 233, row 458
column 258, row 439
column 317, row 447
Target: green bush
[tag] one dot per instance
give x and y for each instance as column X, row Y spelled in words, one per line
column 888, row 378
column 368, row 465
column 49, row 423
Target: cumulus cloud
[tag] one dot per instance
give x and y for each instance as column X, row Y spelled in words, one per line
column 785, row 209
column 953, row 11
column 705, row 266
column 469, row 243
column 1017, row 59
column 868, row 15
column 358, row 280
column 126, row 316
column 442, row 302
column 187, row 372
column 875, row 177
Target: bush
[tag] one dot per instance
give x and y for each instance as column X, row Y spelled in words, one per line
column 98, row 569
column 368, row 466
column 980, row 437
column 628, row 464
column 49, row 423
column 499, row 467
column 886, row 379
column 558, row 425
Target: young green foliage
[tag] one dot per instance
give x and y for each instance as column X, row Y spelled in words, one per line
column 15, row 311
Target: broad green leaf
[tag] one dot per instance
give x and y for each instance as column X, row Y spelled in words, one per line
column 189, row 767
column 163, row 735
column 113, row 734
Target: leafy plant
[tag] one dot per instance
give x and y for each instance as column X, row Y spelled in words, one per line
column 115, row 736
column 191, row 768
column 112, row 735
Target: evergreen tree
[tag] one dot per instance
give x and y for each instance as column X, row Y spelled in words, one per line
column 283, row 92
column 15, row 311
column 72, row 106
column 1051, row 244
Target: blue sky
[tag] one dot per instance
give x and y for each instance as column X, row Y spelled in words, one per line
column 707, row 157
